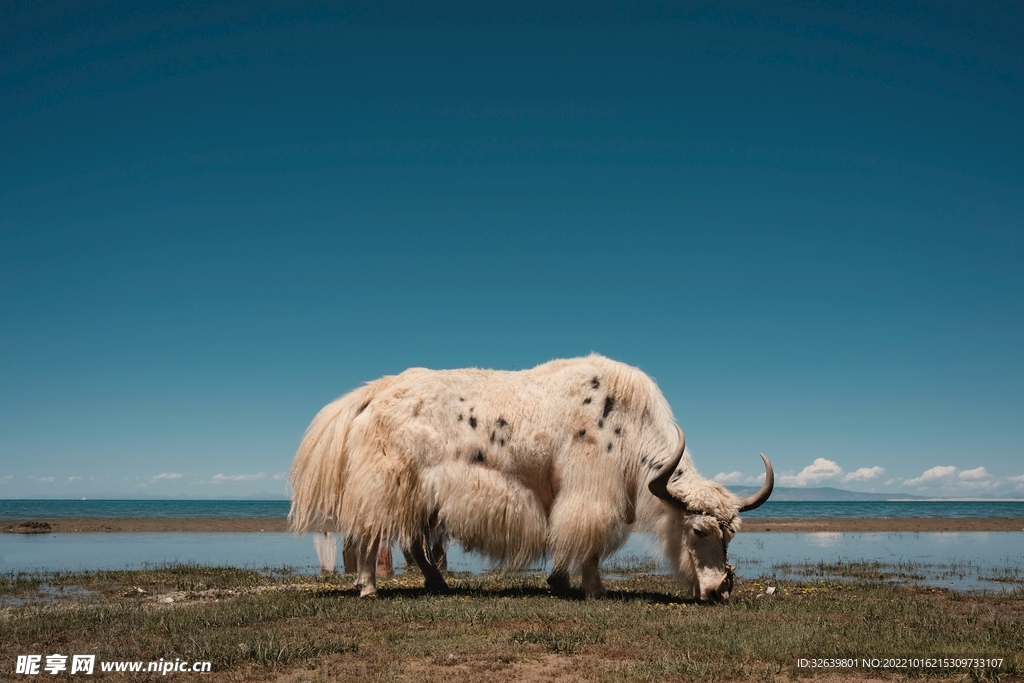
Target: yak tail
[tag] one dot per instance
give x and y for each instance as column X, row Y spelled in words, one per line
column 319, row 471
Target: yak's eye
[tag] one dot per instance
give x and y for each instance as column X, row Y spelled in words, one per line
column 699, row 533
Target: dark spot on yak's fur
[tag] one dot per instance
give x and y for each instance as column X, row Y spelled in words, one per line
column 595, row 383
column 501, row 422
column 587, row 400
column 472, row 422
column 478, row 456
column 609, row 446
column 618, row 431
column 643, row 459
column 582, row 433
column 492, row 437
column 676, row 476
column 600, row 424
column 461, row 398
column 609, row 406
column 460, row 417
column 501, row 442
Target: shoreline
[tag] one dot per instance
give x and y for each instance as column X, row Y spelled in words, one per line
column 279, row 525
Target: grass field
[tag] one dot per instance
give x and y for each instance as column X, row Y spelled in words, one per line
column 276, row 625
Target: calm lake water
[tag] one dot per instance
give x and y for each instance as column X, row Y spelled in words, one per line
column 959, row 560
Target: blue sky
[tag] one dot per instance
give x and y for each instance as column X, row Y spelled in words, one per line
column 807, row 225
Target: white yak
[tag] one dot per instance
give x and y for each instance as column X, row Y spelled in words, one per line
column 563, row 460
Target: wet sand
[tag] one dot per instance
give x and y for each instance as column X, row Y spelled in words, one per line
column 248, row 524
column 144, row 524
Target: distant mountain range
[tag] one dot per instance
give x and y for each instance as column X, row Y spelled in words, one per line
column 822, row 494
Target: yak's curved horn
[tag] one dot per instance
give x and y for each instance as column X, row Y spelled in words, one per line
column 759, row 498
column 659, row 485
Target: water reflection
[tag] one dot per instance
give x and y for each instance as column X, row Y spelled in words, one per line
column 960, row 560
column 963, row 559
column 824, row 539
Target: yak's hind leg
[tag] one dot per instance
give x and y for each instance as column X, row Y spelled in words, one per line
column 593, row 587
column 366, row 567
column 326, row 551
column 438, row 555
column 433, row 579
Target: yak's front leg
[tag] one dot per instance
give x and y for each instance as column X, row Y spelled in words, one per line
column 366, row 568
column 593, row 587
column 559, row 580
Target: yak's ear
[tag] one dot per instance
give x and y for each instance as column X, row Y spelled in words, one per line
column 659, row 485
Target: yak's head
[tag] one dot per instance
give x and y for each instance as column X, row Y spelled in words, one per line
column 702, row 519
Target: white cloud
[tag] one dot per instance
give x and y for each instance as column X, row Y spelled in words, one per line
column 1019, row 479
column 975, row 474
column 950, row 478
column 280, row 475
column 48, row 479
column 74, row 478
column 818, row 471
column 4, row 480
column 730, row 478
column 935, row 474
column 864, row 474
column 221, row 478
column 167, row 475
column 738, row 478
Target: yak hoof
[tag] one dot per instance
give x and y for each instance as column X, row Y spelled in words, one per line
column 438, row 585
column 559, row 582
column 368, row 592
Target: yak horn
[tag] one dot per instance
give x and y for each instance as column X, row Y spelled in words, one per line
column 759, row 498
column 659, row 485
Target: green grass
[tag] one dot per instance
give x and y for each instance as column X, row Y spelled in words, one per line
column 279, row 625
